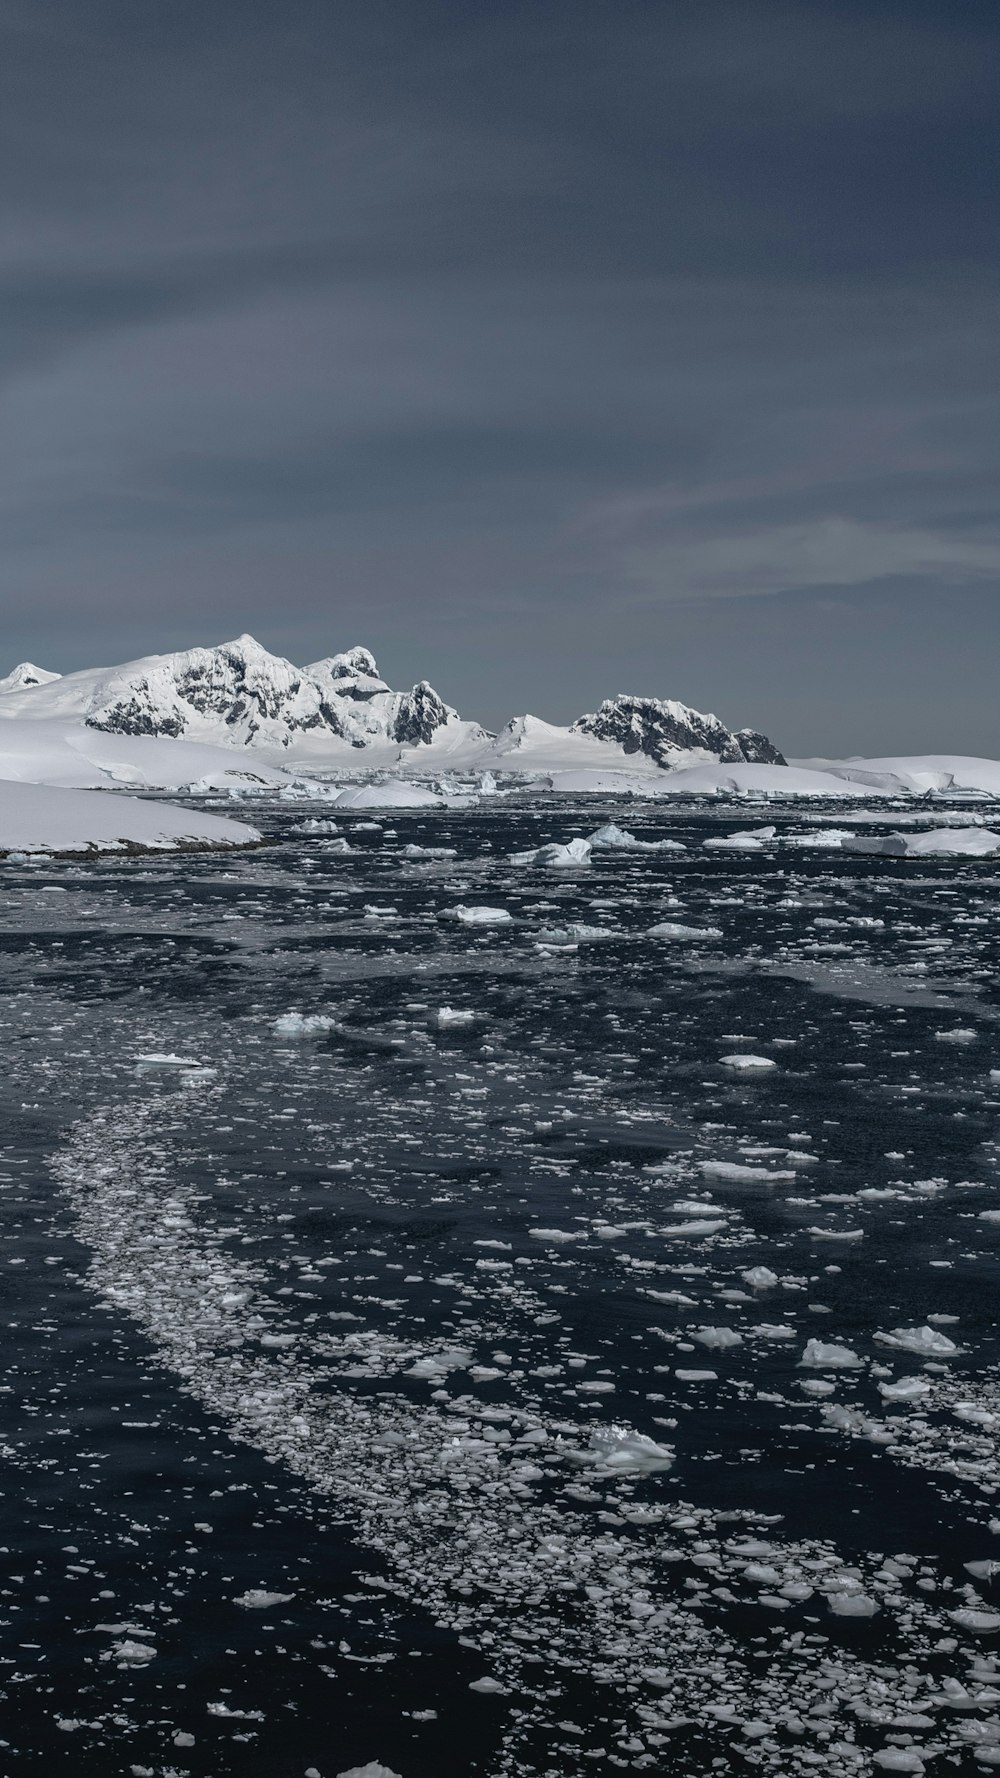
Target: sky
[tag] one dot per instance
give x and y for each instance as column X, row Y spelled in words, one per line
column 549, row 349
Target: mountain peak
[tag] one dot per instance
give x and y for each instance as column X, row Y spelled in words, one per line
column 25, row 674
column 668, row 732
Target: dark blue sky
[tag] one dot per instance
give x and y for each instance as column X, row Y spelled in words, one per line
column 549, row 349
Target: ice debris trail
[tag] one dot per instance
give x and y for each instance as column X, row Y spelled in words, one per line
column 548, row 1591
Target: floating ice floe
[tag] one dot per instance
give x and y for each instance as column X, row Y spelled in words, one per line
column 451, row 1015
column 738, row 1174
column 941, row 842
column 825, row 1355
column 574, row 934
column 395, row 793
column 927, row 1342
column 618, row 839
column 760, row 1277
column 907, row 1389
column 618, row 1449
column 683, row 934
column 304, row 1024
column 480, row 916
column 374, row 1769
column 746, row 1064
column 718, row 1339
column 754, row 839
column 575, row 855
column 258, row 1599
column 166, row 1061
column 430, row 851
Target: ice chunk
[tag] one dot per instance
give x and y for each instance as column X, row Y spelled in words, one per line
column 300, row 1025
column 450, row 1015
column 618, row 839
column 717, row 1338
column 740, row 1175
column 941, row 842
column 968, row 1618
column 257, row 1599
column 683, row 934
column 760, row 1277
column 573, row 856
column 167, row 1061
column 754, row 839
column 927, row 1342
column 746, row 1064
column 824, row 1355
column 619, row 1449
column 374, row 1769
column 907, row 1389
column 480, row 916
column 900, row 1759
column 853, row 1605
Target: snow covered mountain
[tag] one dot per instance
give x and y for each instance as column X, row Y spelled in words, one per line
column 669, row 732
column 339, row 710
column 239, row 694
column 27, row 674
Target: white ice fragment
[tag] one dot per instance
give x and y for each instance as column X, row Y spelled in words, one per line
column 747, row 1063
column 618, row 839
column 760, row 1277
column 480, row 916
column 683, row 934
column 131, row 1654
column 372, row 1770
column 967, row 1618
column 950, row 842
column 573, row 856
column 907, row 1389
column 854, row 1605
column 486, row 1685
column 619, row 1449
column 450, row 1015
column 753, row 839
column 738, row 1174
column 167, row 1061
column 900, row 1759
column 257, row 1599
column 823, row 1355
column 304, row 1025
column 925, row 1341
column 717, row 1338
column 690, row 1229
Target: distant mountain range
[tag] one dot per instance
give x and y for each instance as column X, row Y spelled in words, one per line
column 239, row 695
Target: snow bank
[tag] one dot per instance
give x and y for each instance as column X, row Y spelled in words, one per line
column 36, row 818
column 758, row 783
column 70, row 756
column 913, row 774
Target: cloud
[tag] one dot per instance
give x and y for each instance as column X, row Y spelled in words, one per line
column 827, row 552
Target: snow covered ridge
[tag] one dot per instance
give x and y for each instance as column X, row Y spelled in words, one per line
column 35, row 818
column 239, row 694
column 667, row 732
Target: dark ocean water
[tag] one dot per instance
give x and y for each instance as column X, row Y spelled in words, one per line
column 329, row 1361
